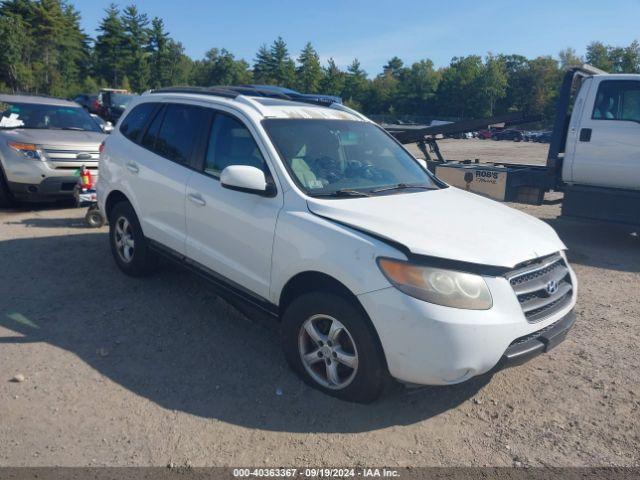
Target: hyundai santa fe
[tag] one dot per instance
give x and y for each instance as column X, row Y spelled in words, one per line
column 315, row 216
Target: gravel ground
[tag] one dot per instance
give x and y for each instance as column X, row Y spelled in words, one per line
column 119, row 371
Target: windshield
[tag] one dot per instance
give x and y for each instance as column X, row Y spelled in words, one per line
column 121, row 100
column 46, row 117
column 329, row 157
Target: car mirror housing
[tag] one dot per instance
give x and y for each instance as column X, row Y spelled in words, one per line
column 245, row 178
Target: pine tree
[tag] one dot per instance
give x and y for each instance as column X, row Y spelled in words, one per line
column 160, row 55
column 393, row 67
column 14, row 71
column 262, row 73
column 282, row 68
column 110, row 47
column 180, row 65
column 135, row 60
column 355, row 88
column 219, row 67
column 334, row 79
column 309, row 73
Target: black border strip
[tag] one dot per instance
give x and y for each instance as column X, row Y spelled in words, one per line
column 226, row 287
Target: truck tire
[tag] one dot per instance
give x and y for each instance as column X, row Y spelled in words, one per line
column 330, row 343
column 129, row 246
column 94, row 218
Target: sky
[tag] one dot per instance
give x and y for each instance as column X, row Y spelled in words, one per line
column 374, row 31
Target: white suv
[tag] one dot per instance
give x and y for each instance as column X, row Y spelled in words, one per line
column 315, row 216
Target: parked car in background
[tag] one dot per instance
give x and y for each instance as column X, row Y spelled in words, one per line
column 89, row 102
column 106, row 127
column 316, row 217
column 461, row 136
column 487, row 133
column 544, row 137
column 113, row 102
column 508, row 134
column 43, row 142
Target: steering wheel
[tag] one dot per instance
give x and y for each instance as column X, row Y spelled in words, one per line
column 327, row 168
column 368, row 171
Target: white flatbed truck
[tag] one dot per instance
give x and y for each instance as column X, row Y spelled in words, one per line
column 594, row 153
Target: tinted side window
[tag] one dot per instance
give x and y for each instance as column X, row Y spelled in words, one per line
column 617, row 100
column 135, row 121
column 231, row 143
column 151, row 135
column 179, row 131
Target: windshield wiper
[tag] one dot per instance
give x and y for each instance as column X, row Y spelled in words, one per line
column 401, row 186
column 343, row 192
column 75, row 129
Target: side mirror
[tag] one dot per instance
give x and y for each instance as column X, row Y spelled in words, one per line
column 108, row 127
column 245, row 178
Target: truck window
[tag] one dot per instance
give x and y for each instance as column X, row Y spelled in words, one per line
column 617, row 100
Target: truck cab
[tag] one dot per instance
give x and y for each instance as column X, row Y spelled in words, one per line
column 603, row 139
column 593, row 157
column 600, row 169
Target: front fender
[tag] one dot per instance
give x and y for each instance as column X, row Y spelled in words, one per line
column 306, row 242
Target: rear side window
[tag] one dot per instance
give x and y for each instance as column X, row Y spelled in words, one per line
column 231, row 143
column 151, row 135
column 132, row 126
column 179, row 131
column 617, row 100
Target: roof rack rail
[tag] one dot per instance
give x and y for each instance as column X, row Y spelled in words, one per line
column 232, row 91
column 215, row 91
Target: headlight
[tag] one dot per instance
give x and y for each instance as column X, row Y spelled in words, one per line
column 27, row 150
column 436, row 285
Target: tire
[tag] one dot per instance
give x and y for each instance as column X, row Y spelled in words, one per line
column 6, row 199
column 354, row 341
column 129, row 246
column 94, row 218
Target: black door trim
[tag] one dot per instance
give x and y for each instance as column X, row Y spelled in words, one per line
column 235, row 293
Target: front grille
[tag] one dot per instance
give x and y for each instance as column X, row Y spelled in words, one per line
column 543, row 287
column 67, row 158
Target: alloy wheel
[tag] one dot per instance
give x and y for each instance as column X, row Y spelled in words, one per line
column 328, row 351
column 124, row 239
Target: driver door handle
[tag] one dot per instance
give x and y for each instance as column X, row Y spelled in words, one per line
column 197, row 199
column 132, row 167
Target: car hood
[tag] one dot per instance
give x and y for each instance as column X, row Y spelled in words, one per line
column 67, row 138
column 447, row 223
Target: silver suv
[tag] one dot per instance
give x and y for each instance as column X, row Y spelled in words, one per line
column 43, row 141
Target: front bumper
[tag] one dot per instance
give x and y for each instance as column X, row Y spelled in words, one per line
column 48, row 188
column 525, row 348
column 429, row 344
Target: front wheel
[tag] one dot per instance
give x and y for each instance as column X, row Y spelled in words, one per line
column 332, row 345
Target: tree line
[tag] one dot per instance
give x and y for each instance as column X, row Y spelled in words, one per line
column 45, row 50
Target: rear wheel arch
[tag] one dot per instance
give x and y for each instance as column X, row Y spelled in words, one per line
column 115, row 197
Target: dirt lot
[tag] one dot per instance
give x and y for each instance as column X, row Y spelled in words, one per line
column 121, row 371
column 491, row 151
